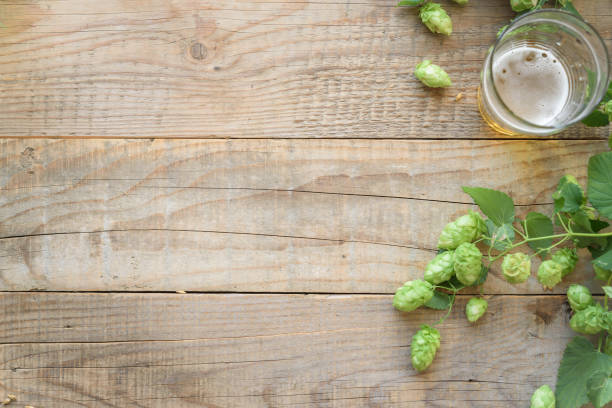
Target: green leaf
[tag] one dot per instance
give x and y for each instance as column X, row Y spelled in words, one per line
column 596, row 119
column 580, row 361
column 439, row 301
column 483, row 276
column 600, row 183
column 568, row 6
column 599, row 388
column 604, row 260
column 501, row 237
column 494, row 204
column 538, row 225
column 410, row 2
column 580, row 222
column 607, row 290
column 568, row 196
column 597, row 251
column 453, row 283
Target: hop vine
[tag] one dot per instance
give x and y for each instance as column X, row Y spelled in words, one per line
column 471, row 244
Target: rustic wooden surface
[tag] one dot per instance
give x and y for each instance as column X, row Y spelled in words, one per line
column 256, row 69
column 235, row 350
column 255, row 215
column 305, row 239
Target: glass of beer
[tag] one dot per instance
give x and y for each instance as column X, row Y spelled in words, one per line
column 547, row 70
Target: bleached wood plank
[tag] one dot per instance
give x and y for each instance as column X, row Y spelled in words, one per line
column 281, row 216
column 185, row 68
column 149, row 350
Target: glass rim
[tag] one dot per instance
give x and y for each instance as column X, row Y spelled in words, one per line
column 580, row 20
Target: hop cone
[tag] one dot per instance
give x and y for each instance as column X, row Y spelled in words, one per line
column 412, row 295
column 423, row 348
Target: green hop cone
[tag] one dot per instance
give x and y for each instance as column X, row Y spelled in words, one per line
column 608, row 346
column 601, row 273
column 423, row 348
column 589, row 320
column 522, row 5
column 579, row 297
column 550, row 273
column 475, row 309
column 467, row 228
column 543, row 397
column 436, row 19
column 440, row 269
column 432, row 75
column 567, row 258
column 413, row 295
column 516, row 267
column 468, row 263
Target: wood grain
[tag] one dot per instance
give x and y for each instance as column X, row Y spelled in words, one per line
column 152, row 350
column 248, row 69
column 251, row 216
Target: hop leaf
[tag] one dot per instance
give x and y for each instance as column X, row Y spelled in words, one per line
column 601, row 273
column 599, row 388
column 501, row 237
column 569, row 196
column 516, row 267
column 567, row 258
column 550, row 273
column 522, row 5
column 432, row 75
column 600, row 183
column 580, row 360
column 494, row 204
column 440, row 268
column 475, row 309
column 543, row 397
column 538, row 225
column 436, row 19
column 468, row 263
column 588, row 320
column 423, row 348
column 579, row 297
column 413, row 295
column 439, row 301
column 466, row 228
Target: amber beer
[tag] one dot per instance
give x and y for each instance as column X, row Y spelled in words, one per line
column 547, row 70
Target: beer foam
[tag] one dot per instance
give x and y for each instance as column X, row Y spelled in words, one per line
column 532, row 83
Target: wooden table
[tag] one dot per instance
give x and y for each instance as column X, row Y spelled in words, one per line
column 278, row 161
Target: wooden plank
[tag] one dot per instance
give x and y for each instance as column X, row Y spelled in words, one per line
column 291, row 69
column 282, row 216
column 152, row 350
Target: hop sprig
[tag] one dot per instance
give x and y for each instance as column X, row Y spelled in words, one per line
column 577, row 221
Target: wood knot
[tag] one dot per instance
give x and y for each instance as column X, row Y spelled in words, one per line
column 198, row 51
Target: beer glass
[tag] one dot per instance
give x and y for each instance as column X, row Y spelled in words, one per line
column 547, row 70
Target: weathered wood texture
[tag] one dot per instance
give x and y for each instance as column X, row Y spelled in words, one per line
column 222, row 68
column 280, row 216
column 121, row 350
